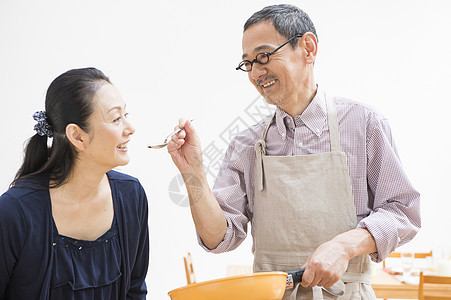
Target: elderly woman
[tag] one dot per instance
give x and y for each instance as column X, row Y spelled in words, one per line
column 70, row 227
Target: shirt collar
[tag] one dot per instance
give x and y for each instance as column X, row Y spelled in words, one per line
column 314, row 117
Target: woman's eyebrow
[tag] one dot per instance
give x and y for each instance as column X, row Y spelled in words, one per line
column 116, row 107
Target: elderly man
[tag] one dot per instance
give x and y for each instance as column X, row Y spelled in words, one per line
column 320, row 180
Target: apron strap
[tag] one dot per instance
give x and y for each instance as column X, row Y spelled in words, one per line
column 260, row 151
column 265, row 132
column 260, row 146
column 331, row 120
column 333, row 125
column 295, row 292
column 316, row 291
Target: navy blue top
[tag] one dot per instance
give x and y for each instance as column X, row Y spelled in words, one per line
column 38, row 263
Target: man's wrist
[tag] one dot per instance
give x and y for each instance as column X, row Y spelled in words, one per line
column 356, row 242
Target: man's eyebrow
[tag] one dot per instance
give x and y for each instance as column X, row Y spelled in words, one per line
column 258, row 49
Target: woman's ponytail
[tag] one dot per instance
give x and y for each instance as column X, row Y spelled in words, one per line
column 35, row 157
column 68, row 101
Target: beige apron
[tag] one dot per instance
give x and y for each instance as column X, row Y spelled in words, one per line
column 300, row 203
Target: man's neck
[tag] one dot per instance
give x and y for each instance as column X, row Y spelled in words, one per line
column 297, row 105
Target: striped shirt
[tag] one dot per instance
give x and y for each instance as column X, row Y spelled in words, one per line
column 386, row 203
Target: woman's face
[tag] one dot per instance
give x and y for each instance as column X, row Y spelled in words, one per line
column 109, row 130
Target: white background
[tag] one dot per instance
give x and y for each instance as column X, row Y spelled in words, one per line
column 177, row 58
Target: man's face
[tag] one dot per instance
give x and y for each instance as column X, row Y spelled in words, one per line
column 282, row 77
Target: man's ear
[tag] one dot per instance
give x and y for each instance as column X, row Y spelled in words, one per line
column 310, row 45
column 76, row 136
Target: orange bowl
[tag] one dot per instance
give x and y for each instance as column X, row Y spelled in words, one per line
column 257, row 286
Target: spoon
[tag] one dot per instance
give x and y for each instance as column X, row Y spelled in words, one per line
column 165, row 143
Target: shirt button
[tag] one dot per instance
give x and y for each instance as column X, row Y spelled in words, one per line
column 300, row 144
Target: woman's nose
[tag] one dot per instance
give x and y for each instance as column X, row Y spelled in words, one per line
column 129, row 129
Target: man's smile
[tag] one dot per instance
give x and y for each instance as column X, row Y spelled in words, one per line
column 269, row 83
column 266, row 82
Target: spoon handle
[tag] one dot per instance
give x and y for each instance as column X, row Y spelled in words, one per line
column 166, row 139
column 176, row 131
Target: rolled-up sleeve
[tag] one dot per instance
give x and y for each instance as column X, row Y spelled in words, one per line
column 230, row 192
column 395, row 216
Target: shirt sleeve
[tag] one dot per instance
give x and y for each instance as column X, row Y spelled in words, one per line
column 230, row 192
column 12, row 232
column 138, row 289
column 395, row 216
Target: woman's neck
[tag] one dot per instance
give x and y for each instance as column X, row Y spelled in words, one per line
column 83, row 184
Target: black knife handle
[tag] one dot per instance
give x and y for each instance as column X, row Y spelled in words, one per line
column 294, row 277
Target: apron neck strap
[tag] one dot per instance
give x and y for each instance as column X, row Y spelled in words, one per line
column 260, row 151
column 260, row 146
column 265, row 132
column 333, row 125
column 331, row 120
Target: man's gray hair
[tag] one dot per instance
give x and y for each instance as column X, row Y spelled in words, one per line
column 288, row 20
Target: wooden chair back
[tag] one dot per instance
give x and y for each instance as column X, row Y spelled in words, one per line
column 424, row 294
column 416, row 255
column 189, row 270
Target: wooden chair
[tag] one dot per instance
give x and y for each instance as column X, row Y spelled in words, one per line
column 416, row 255
column 423, row 293
column 190, row 277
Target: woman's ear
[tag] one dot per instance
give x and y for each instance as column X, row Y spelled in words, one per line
column 76, row 136
column 310, row 45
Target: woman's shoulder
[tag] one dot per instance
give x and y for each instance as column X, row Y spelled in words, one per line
column 9, row 204
column 121, row 177
column 125, row 183
column 128, row 193
column 19, row 205
column 25, row 194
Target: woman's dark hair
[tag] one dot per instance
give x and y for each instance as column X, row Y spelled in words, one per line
column 69, row 99
column 288, row 20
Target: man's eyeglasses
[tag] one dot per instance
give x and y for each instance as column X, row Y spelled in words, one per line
column 262, row 58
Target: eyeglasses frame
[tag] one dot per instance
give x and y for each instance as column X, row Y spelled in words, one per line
column 267, row 54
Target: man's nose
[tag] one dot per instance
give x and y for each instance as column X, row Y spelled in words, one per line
column 258, row 70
